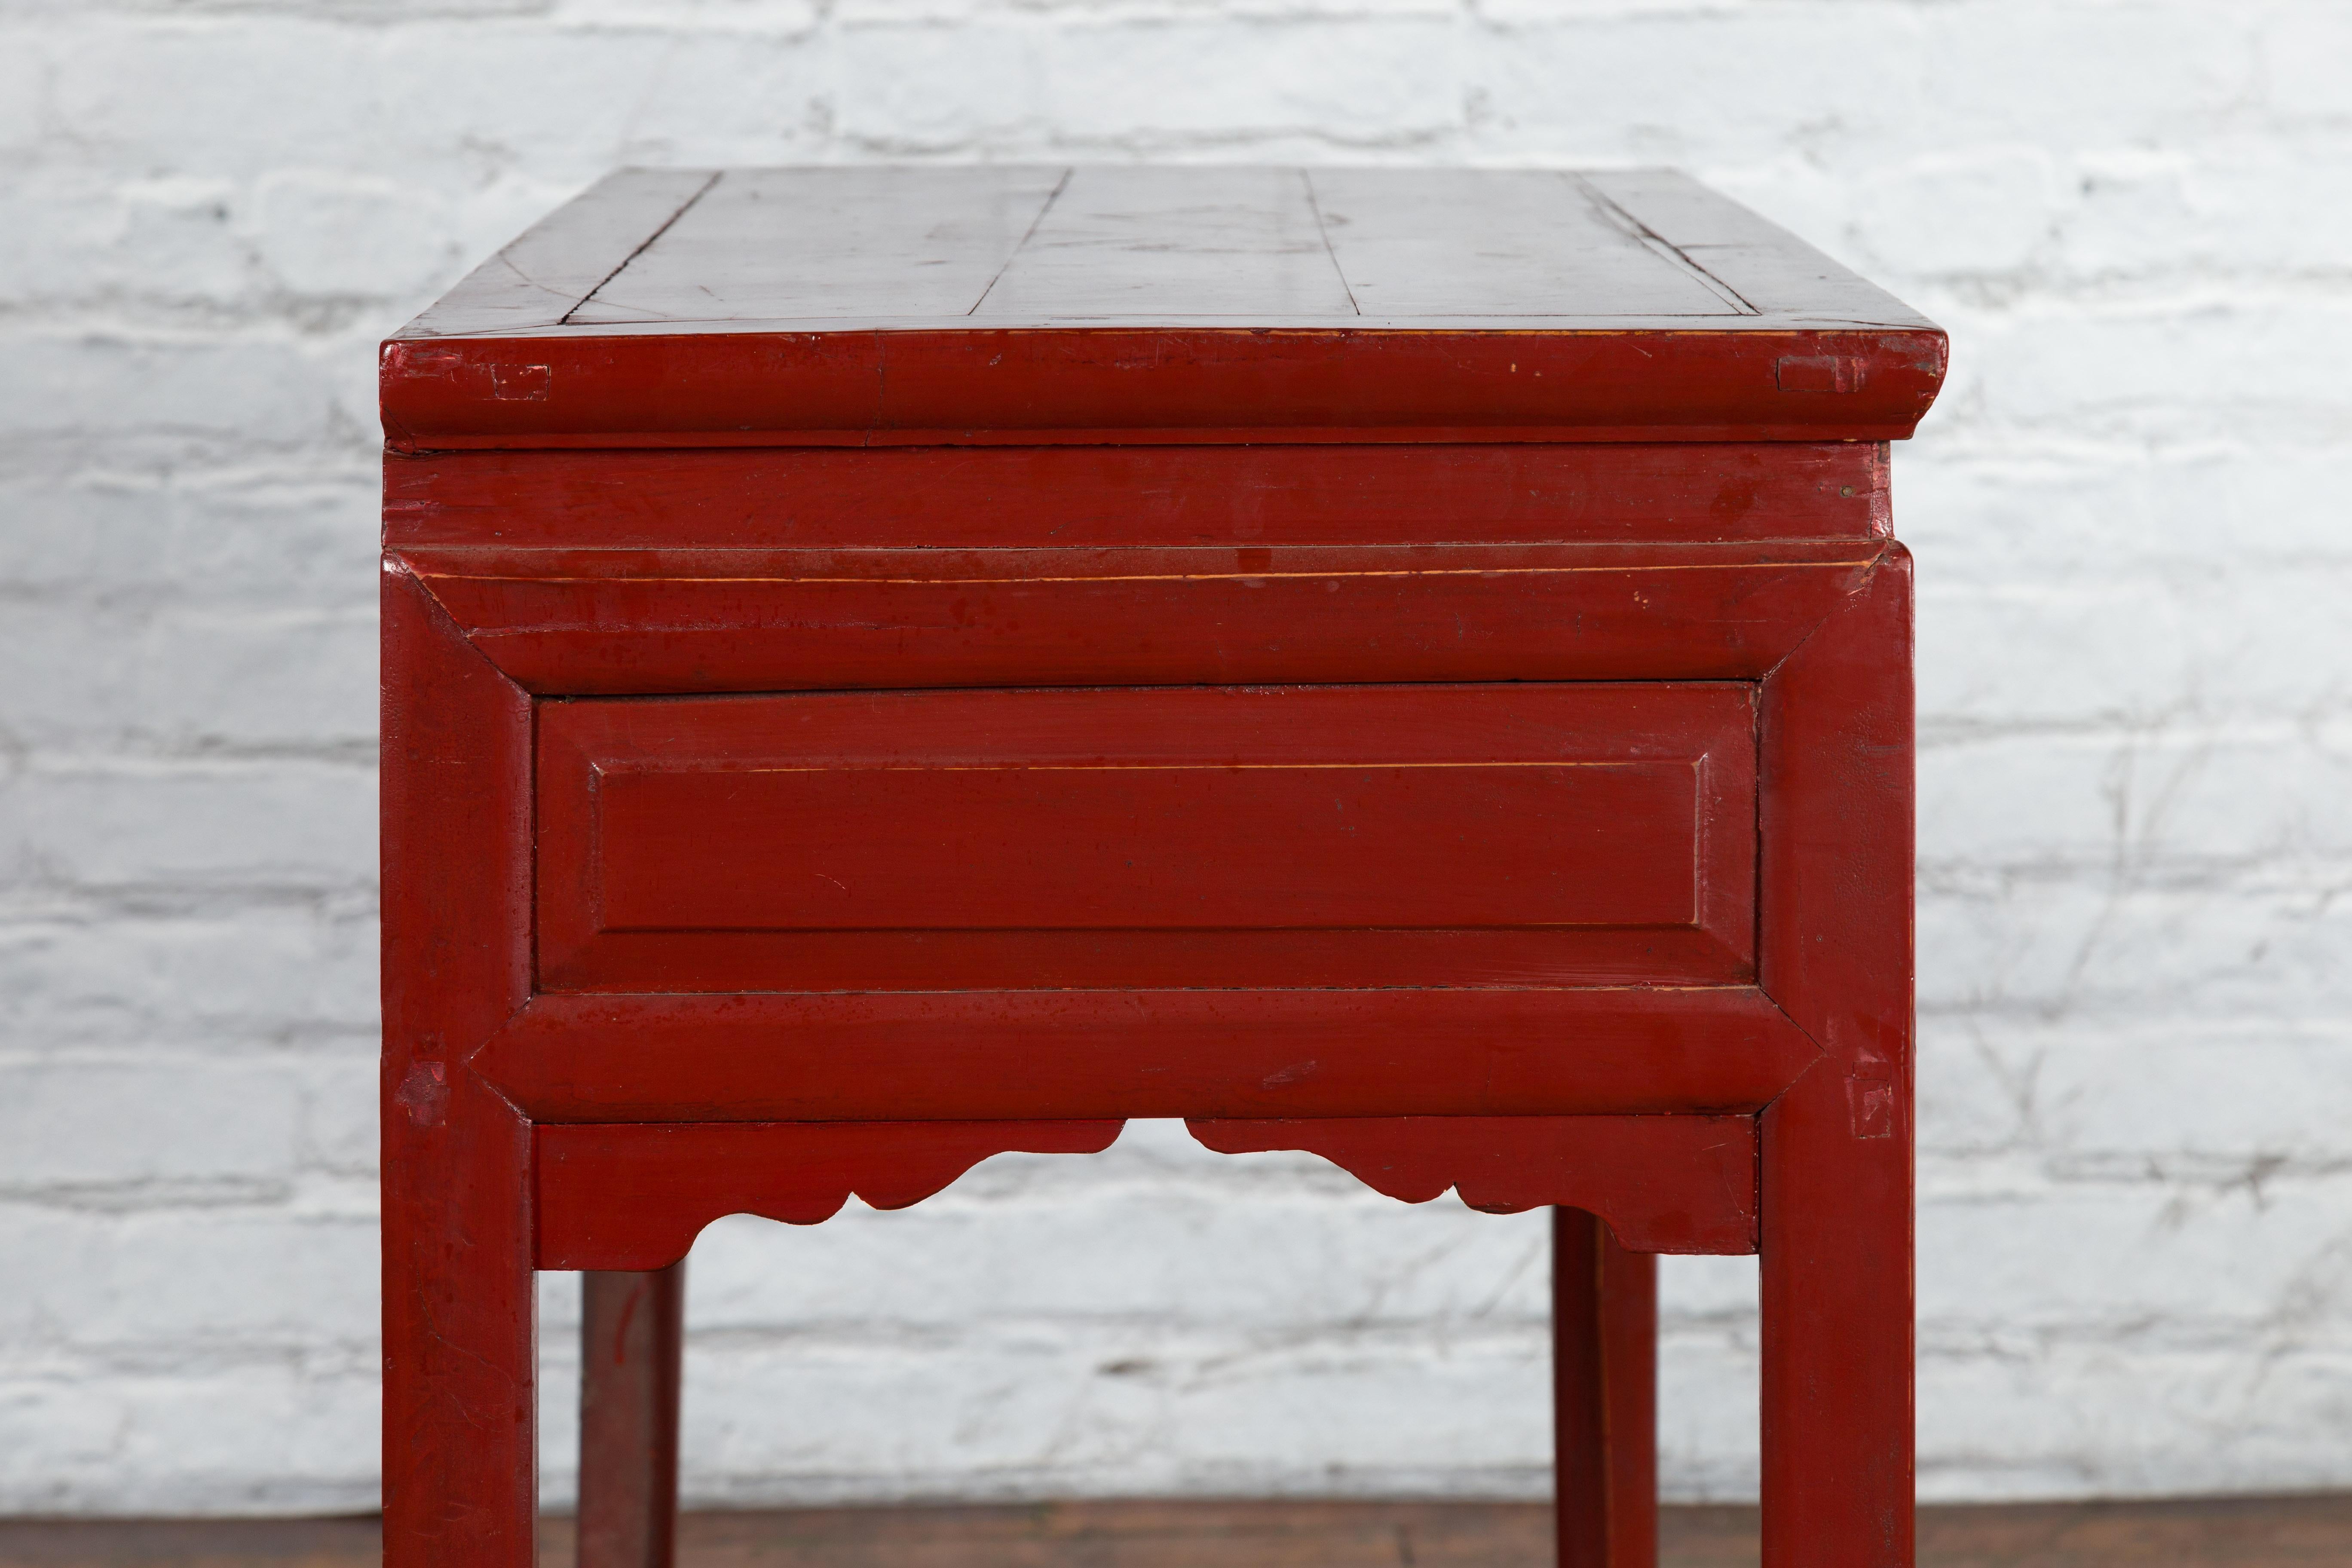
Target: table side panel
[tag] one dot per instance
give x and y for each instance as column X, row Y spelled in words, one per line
column 1175, row 383
column 1515, row 835
column 1241, row 497
column 1663, row 1183
column 579, row 626
column 647, row 607
column 633, row 1196
column 1397, row 1051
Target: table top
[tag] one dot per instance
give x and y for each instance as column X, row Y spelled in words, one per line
column 849, row 305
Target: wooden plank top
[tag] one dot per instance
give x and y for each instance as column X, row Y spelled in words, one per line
column 837, row 306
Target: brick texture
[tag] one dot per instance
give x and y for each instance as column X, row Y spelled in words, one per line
column 2136, row 1268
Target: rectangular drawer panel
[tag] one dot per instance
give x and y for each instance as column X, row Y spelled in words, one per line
column 1208, row 836
column 1170, row 847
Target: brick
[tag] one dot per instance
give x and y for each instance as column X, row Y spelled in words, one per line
column 2111, row 651
column 2295, row 45
column 1112, row 1410
column 1710, row 1448
column 176, row 396
column 2246, row 204
column 1376, row 82
column 759, row 18
column 2096, row 1419
column 2119, row 949
column 2181, row 800
column 69, row 236
column 1696, row 1291
column 58, row 1444
column 217, row 675
column 70, row 1126
column 24, row 97
column 274, row 823
column 329, row 232
column 1975, row 1088
column 310, row 10
column 569, row 104
column 224, row 973
column 2264, row 1093
column 1984, row 522
column 1617, row 89
column 1999, row 68
column 2186, row 369
column 1989, row 210
column 1334, row 1408
column 2152, row 648
column 338, row 1131
column 184, row 1289
column 282, row 538
column 265, row 1438
column 139, row 88
column 2142, row 1261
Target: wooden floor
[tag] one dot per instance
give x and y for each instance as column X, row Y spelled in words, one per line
column 2241, row 1532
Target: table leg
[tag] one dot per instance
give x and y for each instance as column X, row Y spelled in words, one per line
column 460, row 1324
column 1837, row 1412
column 631, row 1338
column 460, row 1349
column 1834, row 952
column 1604, row 1326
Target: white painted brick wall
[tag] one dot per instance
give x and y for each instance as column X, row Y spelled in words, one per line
column 2135, row 217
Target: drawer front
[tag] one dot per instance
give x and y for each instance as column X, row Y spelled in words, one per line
column 1420, row 836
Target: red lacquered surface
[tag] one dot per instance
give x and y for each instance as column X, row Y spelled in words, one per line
column 460, row 1422
column 1128, row 497
column 1411, row 667
column 1488, row 1050
column 758, row 308
column 632, row 1347
column 1667, row 1184
column 1837, row 1253
column 660, row 622
column 1197, row 837
column 1604, row 1335
column 633, row 1198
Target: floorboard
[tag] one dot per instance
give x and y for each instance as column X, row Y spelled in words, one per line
column 2220, row 1532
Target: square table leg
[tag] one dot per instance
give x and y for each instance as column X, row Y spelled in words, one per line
column 460, row 1347
column 631, row 1341
column 1835, row 1181
column 1837, row 1333
column 1604, row 1328
column 460, row 1331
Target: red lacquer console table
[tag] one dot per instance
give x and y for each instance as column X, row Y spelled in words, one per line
column 887, row 667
